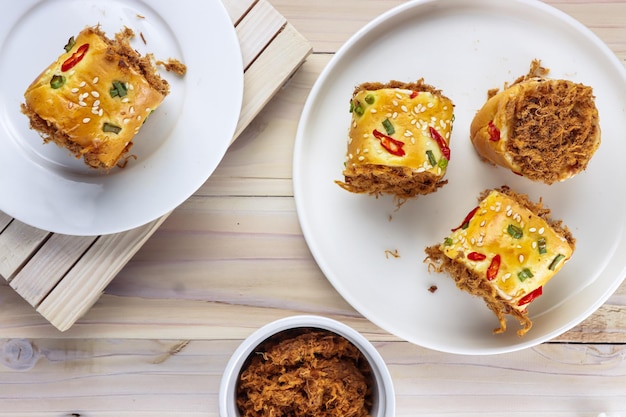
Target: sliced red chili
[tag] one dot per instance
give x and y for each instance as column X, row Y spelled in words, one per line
column 466, row 220
column 445, row 150
column 392, row 145
column 414, row 94
column 494, row 267
column 75, row 58
column 494, row 132
column 530, row 296
column 475, row 256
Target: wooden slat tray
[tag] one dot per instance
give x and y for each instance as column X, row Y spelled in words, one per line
column 63, row 276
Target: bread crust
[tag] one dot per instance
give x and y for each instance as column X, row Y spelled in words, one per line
column 548, row 128
column 476, row 284
column 372, row 170
column 81, row 114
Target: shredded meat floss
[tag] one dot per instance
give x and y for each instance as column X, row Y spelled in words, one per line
column 315, row 373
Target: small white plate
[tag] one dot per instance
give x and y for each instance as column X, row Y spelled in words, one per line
column 464, row 47
column 177, row 150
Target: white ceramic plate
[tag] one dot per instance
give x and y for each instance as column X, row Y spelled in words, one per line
column 464, row 47
column 177, row 149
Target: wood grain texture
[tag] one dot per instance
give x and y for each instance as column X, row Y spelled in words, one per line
column 232, row 258
column 62, row 276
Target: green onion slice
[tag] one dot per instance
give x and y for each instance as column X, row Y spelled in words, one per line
column 109, row 127
column 118, row 89
column 57, row 81
column 388, row 127
column 70, row 44
column 431, row 157
column 524, row 274
column 541, row 246
column 558, row 258
column 515, row 232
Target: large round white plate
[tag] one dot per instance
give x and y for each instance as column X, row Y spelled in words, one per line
column 464, row 47
column 178, row 148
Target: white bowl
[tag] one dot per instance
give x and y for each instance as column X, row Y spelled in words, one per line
column 383, row 393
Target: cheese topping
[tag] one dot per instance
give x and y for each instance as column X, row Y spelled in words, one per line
column 514, row 249
column 393, row 126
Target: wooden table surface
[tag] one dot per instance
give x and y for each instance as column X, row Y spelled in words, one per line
column 232, row 258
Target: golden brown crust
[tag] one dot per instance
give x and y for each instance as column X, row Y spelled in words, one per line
column 384, row 173
column 467, row 280
column 549, row 129
column 81, row 114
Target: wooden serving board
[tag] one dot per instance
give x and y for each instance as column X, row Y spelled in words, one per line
column 62, row 276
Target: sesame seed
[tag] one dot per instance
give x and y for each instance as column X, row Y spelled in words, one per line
column 131, row 110
column 412, row 140
column 532, row 229
column 70, row 105
column 404, row 109
column 506, row 276
column 95, row 80
column 430, row 105
column 350, row 156
column 82, row 104
column 442, row 124
column 482, row 224
column 521, row 258
column 366, row 150
column 96, row 103
column 541, row 231
column 138, row 117
column 413, row 121
column 408, row 133
column 394, row 115
column 509, row 212
column 361, row 158
column 125, row 100
column 86, row 120
column 82, row 84
column 74, row 90
column 358, row 151
column 420, row 169
column 372, row 110
column 534, row 245
column 394, row 102
column 94, row 110
column 366, row 135
column 95, row 94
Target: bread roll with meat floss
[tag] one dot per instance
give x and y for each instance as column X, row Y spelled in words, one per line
column 398, row 140
column 95, row 97
column 505, row 251
column 546, row 130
